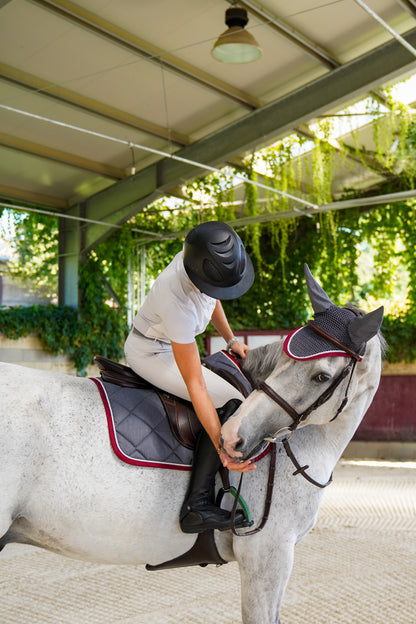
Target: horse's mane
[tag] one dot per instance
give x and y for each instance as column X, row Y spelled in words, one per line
column 261, row 361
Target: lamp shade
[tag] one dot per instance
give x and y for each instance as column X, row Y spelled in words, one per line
column 236, row 45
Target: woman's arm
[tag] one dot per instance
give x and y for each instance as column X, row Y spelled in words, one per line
column 220, row 322
column 189, row 364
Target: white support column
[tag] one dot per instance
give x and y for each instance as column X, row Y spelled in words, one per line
column 131, row 290
column 136, row 282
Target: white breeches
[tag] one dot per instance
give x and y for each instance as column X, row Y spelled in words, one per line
column 154, row 361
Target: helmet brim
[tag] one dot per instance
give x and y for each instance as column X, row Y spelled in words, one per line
column 225, row 292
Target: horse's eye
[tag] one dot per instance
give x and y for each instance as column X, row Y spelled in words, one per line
column 321, row 377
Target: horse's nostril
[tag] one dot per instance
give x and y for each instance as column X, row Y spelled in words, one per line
column 239, row 444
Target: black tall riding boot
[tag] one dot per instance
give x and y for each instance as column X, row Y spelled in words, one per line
column 199, row 511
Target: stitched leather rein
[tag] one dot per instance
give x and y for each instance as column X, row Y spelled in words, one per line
column 297, row 419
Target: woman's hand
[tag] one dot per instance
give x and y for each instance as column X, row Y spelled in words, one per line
column 189, row 364
column 240, row 349
column 235, row 464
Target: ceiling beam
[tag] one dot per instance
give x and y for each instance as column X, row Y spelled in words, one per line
column 94, row 23
column 99, row 109
column 333, row 90
column 409, row 5
column 300, row 40
column 37, row 199
column 60, row 157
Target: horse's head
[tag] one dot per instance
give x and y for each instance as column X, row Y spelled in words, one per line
column 329, row 366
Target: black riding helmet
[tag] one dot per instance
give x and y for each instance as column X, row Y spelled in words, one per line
column 216, row 261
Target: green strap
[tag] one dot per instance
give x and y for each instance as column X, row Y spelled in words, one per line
column 242, row 503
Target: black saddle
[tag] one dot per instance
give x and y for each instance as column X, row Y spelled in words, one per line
column 119, row 374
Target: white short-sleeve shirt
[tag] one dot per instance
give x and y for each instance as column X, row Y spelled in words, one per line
column 175, row 309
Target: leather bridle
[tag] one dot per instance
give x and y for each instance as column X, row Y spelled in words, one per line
column 298, row 418
column 323, row 398
column 355, row 356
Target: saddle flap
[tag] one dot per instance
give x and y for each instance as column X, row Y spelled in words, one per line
column 184, row 422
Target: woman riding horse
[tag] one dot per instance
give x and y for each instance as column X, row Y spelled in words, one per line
column 161, row 347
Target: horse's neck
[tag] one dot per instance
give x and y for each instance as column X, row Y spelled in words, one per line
column 260, row 362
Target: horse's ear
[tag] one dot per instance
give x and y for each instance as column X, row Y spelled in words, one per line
column 362, row 328
column 319, row 299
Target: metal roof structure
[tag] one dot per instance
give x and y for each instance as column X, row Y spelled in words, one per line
column 93, row 90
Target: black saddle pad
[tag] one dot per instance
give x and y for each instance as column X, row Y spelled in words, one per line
column 139, row 429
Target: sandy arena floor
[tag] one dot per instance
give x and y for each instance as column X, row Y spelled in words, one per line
column 357, row 566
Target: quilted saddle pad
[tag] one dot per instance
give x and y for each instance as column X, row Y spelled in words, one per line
column 139, row 429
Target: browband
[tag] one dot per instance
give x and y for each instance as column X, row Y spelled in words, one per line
column 336, row 342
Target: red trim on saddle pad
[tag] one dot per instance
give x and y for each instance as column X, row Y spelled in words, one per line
column 113, row 439
column 233, row 359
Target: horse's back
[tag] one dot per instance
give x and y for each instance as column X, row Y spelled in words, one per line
column 38, row 411
column 20, row 384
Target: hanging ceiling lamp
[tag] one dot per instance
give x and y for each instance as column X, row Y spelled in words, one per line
column 236, row 45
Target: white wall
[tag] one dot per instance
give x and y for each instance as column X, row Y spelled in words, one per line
column 254, row 339
column 29, row 352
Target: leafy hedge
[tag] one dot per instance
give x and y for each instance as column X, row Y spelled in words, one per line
column 80, row 334
column 62, row 330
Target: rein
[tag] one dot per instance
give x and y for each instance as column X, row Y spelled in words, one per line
column 297, row 420
column 268, row 500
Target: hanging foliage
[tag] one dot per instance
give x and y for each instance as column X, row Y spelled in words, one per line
column 280, row 163
column 364, row 255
